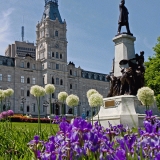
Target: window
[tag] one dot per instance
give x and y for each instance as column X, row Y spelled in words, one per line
column 33, row 66
column 28, row 108
column 52, row 54
column 33, row 80
column 1, row 62
column 0, row 77
column 52, row 80
column 56, row 33
column 28, row 93
column 43, row 79
column 61, row 82
column 57, row 81
column 42, row 66
column 22, row 79
column 28, row 65
column 57, row 66
column 9, row 78
column 60, row 56
column 49, row 65
column 70, row 86
column 22, row 64
column 57, row 55
column 22, row 92
column 28, row 80
column 75, row 73
column 70, row 72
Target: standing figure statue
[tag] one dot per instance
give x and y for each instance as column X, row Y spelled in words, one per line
column 123, row 18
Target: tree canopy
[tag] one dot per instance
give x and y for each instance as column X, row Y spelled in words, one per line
column 152, row 72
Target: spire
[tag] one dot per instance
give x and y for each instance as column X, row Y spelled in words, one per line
column 51, row 10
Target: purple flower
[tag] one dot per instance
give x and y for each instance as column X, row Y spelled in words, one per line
column 10, row 113
column 4, row 114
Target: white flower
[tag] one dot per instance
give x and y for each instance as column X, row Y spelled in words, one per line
column 9, row 92
column 62, row 96
column 2, row 96
column 95, row 100
column 146, row 96
column 90, row 92
column 49, row 88
column 37, row 91
column 72, row 100
column 5, row 92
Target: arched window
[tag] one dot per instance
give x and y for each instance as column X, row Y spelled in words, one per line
column 28, row 93
column 70, row 72
column 52, row 80
column 70, row 86
column 28, row 65
column 56, row 33
column 61, row 82
column 28, row 108
column 28, row 80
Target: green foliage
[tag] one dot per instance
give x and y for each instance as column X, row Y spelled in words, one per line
column 152, row 72
column 15, row 136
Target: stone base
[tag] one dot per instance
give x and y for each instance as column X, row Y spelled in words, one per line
column 121, row 110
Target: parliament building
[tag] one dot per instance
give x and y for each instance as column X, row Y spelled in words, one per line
column 26, row 64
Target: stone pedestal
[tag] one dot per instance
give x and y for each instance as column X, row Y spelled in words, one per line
column 118, row 110
column 124, row 49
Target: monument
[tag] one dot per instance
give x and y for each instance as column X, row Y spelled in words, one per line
column 121, row 105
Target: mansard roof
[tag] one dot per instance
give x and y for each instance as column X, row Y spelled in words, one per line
column 7, row 61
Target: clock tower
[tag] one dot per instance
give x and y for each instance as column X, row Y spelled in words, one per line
column 51, row 45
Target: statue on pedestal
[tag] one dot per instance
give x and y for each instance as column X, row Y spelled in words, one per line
column 123, row 18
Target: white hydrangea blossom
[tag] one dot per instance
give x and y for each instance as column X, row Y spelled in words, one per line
column 2, row 96
column 95, row 100
column 72, row 100
column 146, row 96
column 9, row 92
column 49, row 88
column 37, row 91
column 5, row 92
column 90, row 92
column 62, row 96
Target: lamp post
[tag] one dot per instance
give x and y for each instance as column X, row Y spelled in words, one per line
column 55, row 101
column 23, row 100
column 45, row 104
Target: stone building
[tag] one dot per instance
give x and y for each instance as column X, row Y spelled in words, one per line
column 25, row 65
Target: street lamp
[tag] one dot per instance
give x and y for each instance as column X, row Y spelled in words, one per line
column 23, row 100
column 45, row 104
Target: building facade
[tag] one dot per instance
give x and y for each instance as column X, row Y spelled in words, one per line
column 26, row 64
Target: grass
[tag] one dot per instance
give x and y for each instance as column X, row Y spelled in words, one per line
column 15, row 136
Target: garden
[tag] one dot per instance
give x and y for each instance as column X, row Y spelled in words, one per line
column 80, row 139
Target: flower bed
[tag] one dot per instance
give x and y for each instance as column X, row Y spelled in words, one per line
column 83, row 141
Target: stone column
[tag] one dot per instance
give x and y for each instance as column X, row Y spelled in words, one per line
column 124, row 49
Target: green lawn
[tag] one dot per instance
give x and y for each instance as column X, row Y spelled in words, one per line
column 15, row 136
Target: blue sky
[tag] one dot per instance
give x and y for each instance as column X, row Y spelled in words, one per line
column 91, row 26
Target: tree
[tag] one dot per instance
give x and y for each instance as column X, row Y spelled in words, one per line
column 152, row 72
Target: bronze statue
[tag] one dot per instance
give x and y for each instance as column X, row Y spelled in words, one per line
column 132, row 77
column 123, row 18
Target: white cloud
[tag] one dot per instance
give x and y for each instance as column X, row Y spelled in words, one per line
column 5, row 29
